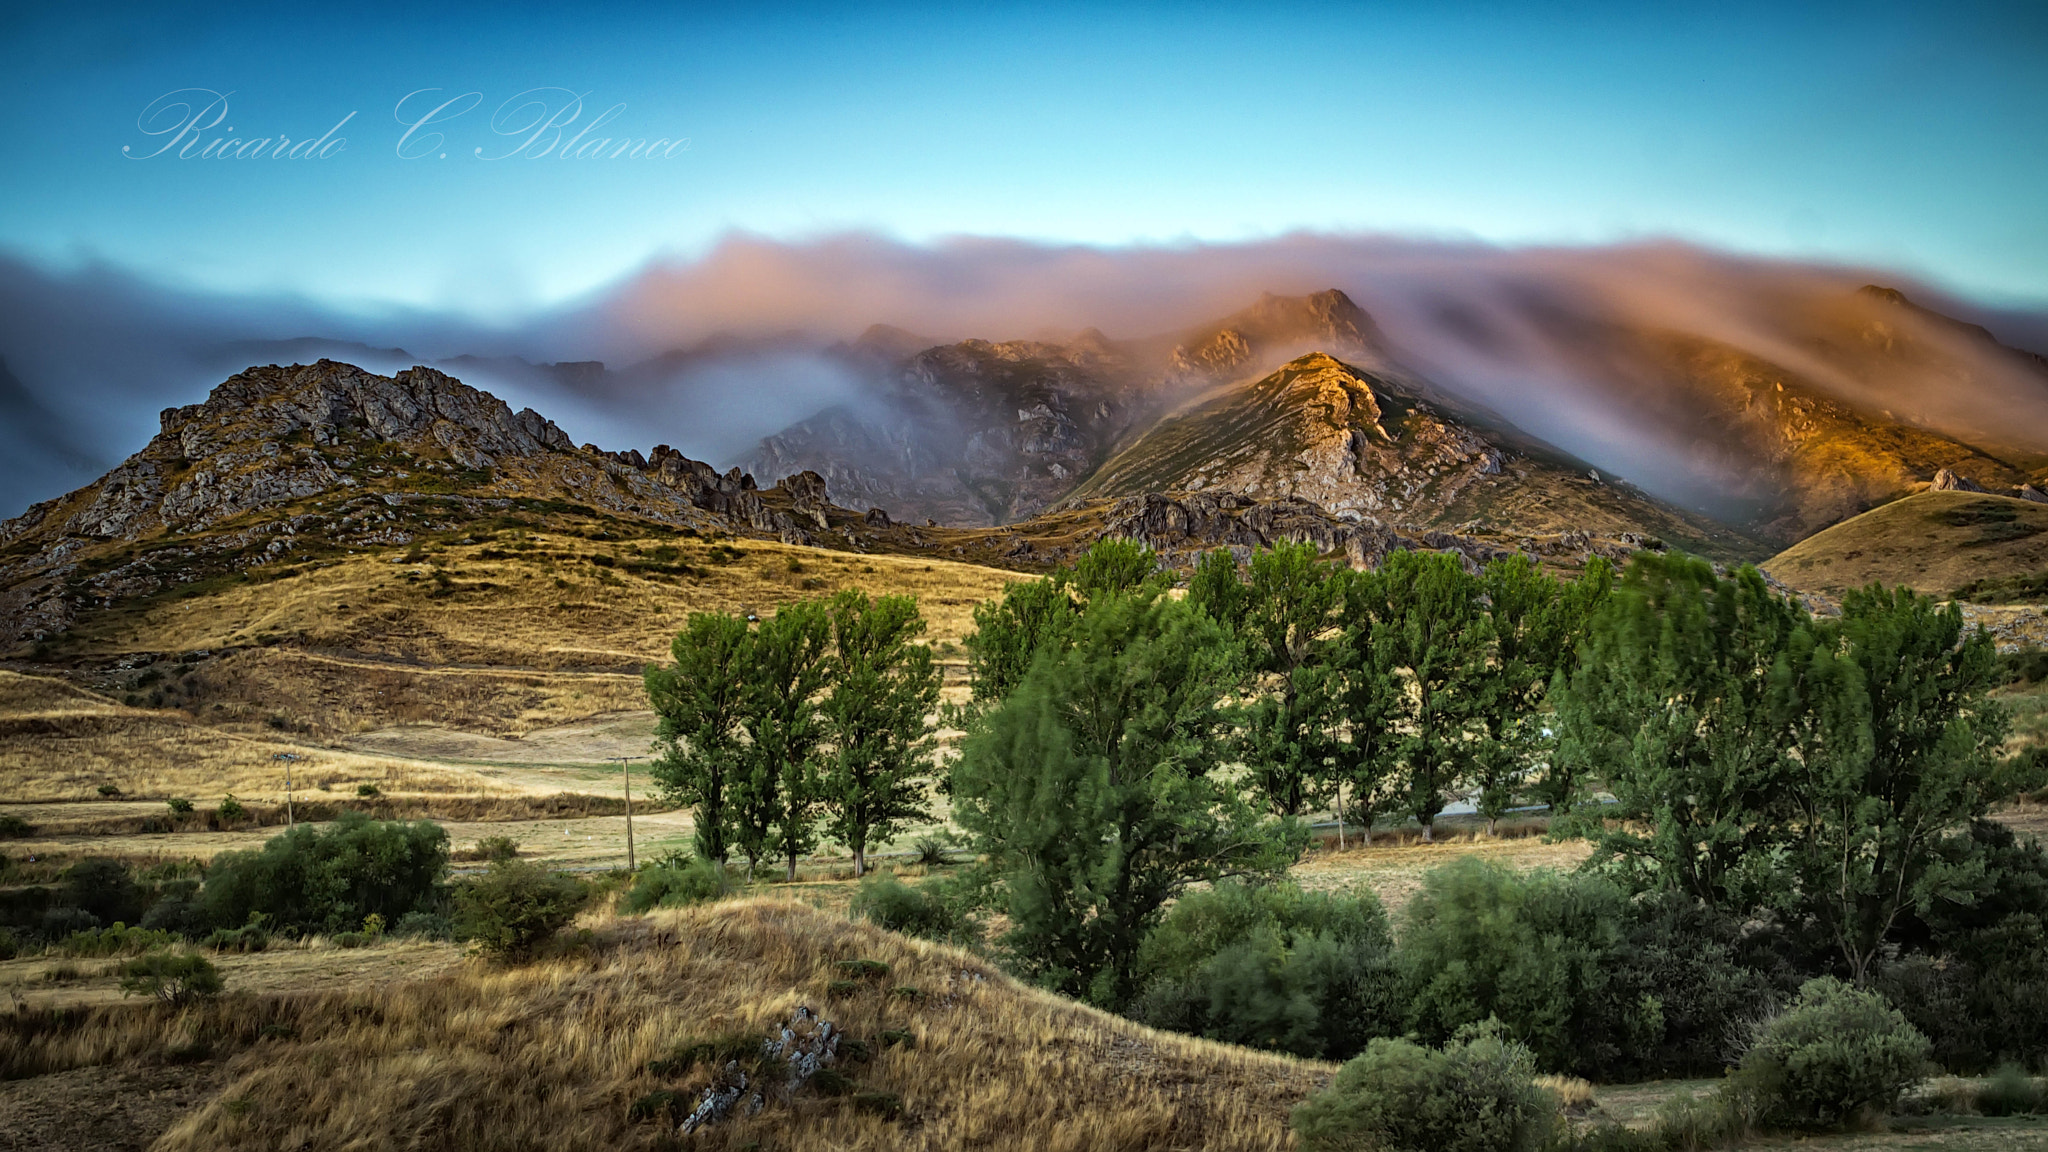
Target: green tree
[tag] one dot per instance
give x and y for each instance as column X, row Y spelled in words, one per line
column 1536, row 622
column 699, row 700
column 1095, row 791
column 1686, row 701
column 1560, row 782
column 1116, row 566
column 1900, row 752
column 1371, row 695
column 776, row 794
column 1287, row 618
column 1009, row 632
column 1430, row 626
column 877, row 721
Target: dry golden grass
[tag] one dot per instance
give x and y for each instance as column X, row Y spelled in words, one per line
column 1913, row 542
column 553, row 1055
column 1394, row 870
column 531, row 610
column 58, row 742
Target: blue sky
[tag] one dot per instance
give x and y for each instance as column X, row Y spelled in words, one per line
column 1907, row 137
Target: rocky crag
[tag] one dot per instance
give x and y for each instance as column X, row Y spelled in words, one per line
column 284, row 462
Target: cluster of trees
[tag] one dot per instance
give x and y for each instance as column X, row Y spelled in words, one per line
column 1130, row 743
column 817, row 719
column 1784, row 797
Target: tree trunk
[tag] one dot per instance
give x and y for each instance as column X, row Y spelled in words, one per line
column 791, row 877
column 1493, row 827
column 860, row 861
column 1429, row 832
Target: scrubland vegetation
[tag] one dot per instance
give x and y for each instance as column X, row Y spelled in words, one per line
column 1781, row 877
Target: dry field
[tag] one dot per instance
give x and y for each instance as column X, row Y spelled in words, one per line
column 1393, row 867
column 553, row 1055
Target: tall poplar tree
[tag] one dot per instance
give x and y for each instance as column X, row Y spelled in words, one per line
column 1095, row 795
column 788, row 671
column 877, row 721
column 699, row 700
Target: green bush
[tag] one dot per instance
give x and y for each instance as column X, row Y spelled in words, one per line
column 667, row 886
column 118, row 940
column 248, row 938
column 9, row 946
column 368, row 790
column 1271, row 966
column 1597, row 984
column 104, row 888
column 2011, row 1092
column 1976, row 981
column 1476, row 1094
column 929, row 911
column 516, row 907
column 170, row 978
column 179, row 806
column 13, row 827
column 1835, row 1054
column 497, row 848
column 327, row 881
column 231, row 810
column 424, row 925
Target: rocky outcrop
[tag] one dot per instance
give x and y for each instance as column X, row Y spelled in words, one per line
column 1947, row 481
column 328, row 452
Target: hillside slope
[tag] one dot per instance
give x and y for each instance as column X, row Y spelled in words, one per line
column 1362, row 443
column 985, row 433
column 1935, row 542
column 555, row 1055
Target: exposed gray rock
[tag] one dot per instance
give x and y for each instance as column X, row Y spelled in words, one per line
column 1947, row 481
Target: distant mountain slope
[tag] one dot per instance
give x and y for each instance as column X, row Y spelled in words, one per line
column 1936, row 542
column 983, row 433
column 1362, row 443
column 1800, row 458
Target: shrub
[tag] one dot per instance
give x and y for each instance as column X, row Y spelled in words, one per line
column 516, row 907
column 367, row 790
column 9, row 946
column 1835, row 1054
column 169, row 978
column 327, row 881
column 105, row 888
column 1476, row 1094
column 248, row 938
column 231, row 810
column 1597, row 984
column 13, row 827
column 927, row 911
column 1978, row 987
column 2010, row 1092
column 931, row 851
column 109, row 791
column 424, row 925
column 497, row 848
column 179, row 806
column 667, row 886
column 1271, row 966
column 118, row 940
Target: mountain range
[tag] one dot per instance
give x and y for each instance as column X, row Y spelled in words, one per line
column 1295, row 418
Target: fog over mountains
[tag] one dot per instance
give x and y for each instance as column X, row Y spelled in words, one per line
column 1708, row 380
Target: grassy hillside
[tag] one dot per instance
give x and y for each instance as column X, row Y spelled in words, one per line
column 554, row 1055
column 1936, row 542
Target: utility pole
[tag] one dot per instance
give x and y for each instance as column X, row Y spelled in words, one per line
column 288, row 758
column 626, row 777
